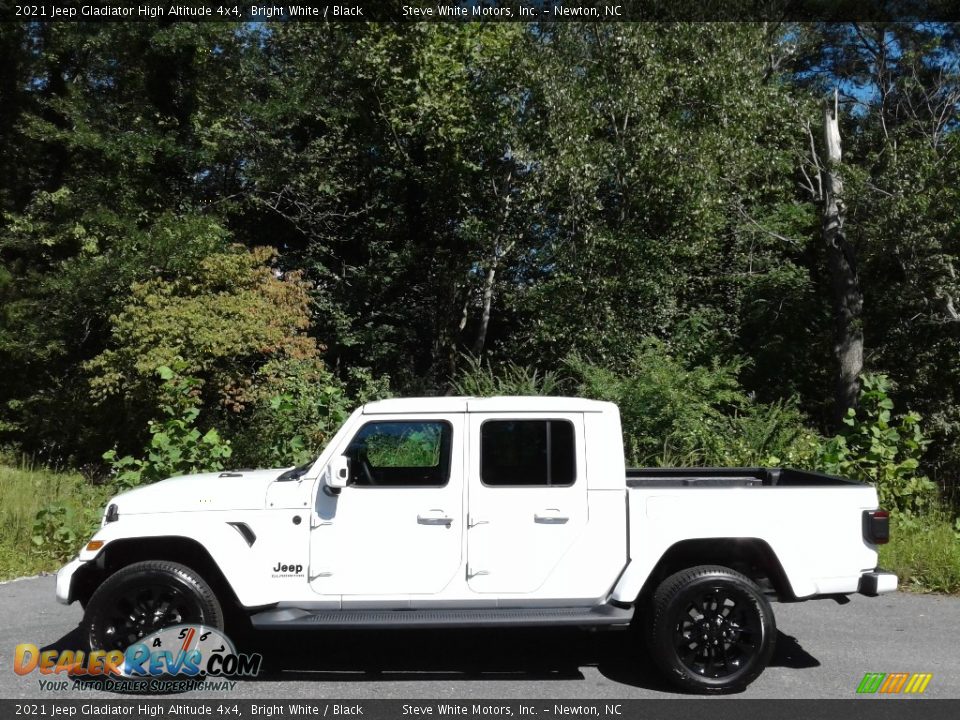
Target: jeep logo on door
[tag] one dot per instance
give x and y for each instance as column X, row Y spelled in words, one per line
column 282, row 570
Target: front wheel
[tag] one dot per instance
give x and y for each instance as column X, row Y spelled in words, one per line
column 145, row 597
column 711, row 629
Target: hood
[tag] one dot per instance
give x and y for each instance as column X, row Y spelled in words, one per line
column 229, row 490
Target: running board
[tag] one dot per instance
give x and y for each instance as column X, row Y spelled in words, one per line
column 300, row 619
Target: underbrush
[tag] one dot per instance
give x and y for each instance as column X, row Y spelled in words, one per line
column 925, row 553
column 44, row 518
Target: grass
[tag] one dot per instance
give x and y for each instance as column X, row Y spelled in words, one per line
column 925, row 554
column 24, row 491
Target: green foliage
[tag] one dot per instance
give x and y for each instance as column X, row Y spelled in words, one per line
column 661, row 184
column 675, row 414
column 417, row 448
column 306, row 404
column 902, row 178
column 72, row 269
column 883, row 450
column 118, row 139
column 225, row 319
column 480, row 379
column 177, row 446
column 59, row 529
column 44, row 517
column 515, row 192
column 924, row 552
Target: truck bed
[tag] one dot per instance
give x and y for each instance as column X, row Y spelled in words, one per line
column 810, row 522
column 730, row 477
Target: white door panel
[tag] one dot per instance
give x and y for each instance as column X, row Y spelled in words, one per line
column 387, row 538
column 518, row 534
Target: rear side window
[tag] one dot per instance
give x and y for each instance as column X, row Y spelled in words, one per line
column 527, row 452
column 400, row 454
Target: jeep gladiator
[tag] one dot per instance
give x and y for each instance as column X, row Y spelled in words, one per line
column 485, row 512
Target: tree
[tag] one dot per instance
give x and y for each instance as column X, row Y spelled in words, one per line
column 230, row 320
column 113, row 124
column 385, row 158
column 842, row 264
column 667, row 202
column 900, row 86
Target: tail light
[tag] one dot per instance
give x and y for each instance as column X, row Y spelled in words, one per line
column 876, row 526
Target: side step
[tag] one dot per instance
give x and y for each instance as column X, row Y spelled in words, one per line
column 300, row 619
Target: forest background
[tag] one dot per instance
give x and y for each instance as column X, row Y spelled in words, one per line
column 217, row 239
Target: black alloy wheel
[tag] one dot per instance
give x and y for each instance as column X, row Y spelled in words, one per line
column 145, row 597
column 712, row 629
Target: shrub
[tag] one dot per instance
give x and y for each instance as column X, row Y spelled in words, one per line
column 60, row 528
column 924, row 551
column 46, row 516
column 303, row 407
column 877, row 448
column 176, row 446
column 676, row 414
column 231, row 321
column 477, row 378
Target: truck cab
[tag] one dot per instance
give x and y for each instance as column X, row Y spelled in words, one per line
column 470, row 501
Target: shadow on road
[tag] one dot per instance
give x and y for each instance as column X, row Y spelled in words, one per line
column 528, row 654
column 790, row 654
column 400, row 655
column 633, row 666
column 431, row 655
column 73, row 640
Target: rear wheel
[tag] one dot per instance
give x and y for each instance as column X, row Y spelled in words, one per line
column 145, row 597
column 711, row 629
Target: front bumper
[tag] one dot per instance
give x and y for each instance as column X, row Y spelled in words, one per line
column 877, row 581
column 65, row 581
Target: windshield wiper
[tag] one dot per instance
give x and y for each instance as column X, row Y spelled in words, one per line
column 297, row 472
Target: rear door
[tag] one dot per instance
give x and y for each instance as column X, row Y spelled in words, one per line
column 527, row 495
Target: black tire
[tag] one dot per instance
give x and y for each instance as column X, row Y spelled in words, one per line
column 711, row 630
column 145, row 597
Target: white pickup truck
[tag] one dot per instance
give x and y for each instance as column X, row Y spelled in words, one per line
column 466, row 512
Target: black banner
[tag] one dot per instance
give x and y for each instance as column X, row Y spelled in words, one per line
column 713, row 709
column 482, row 11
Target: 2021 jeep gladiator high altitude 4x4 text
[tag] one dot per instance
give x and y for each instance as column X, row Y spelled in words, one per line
column 464, row 512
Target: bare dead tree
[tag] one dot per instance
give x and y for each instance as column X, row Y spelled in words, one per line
column 823, row 183
column 498, row 250
column 847, row 297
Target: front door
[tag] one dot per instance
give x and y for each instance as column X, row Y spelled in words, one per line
column 397, row 527
column 528, row 499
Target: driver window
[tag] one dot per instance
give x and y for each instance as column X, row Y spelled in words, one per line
column 400, row 453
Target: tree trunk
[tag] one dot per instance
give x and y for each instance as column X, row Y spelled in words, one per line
column 844, row 281
column 488, row 284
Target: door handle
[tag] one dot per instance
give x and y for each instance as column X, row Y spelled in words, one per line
column 438, row 519
column 550, row 516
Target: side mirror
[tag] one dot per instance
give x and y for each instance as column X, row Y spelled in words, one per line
column 338, row 472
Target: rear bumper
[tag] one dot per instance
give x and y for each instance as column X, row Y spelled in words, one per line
column 65, row 581
column 876, row 582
